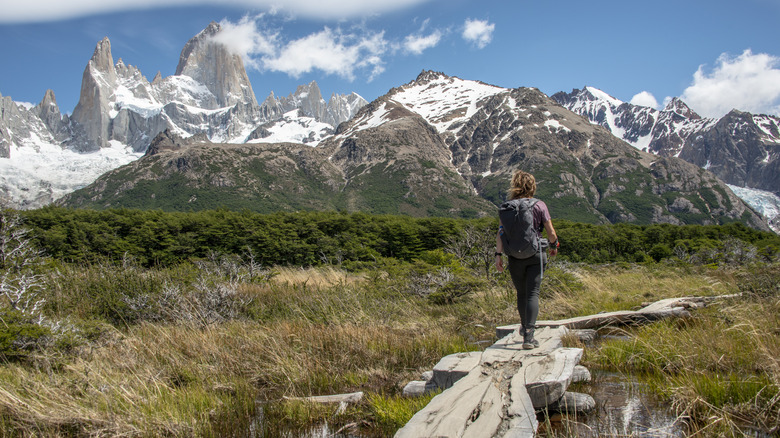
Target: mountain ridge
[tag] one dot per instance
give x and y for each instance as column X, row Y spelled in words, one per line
column 741, row 148
column 444, row 145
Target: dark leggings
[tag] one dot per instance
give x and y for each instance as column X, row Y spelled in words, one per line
column 527, row 277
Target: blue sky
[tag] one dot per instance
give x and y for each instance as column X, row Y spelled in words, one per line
column 715, row 54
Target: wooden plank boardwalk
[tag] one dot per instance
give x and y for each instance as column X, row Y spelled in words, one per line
column 499, row 389
column 496, row 392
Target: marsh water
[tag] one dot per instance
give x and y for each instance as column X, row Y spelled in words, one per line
column 623, row 408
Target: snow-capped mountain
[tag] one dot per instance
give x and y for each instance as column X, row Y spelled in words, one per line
column 119, row 113
column 660, row 132
column 436, row 145
column 742, row 149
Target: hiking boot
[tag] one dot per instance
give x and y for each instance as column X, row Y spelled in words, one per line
column 529, row 343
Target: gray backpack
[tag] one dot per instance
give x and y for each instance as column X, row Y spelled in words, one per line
column 519, row 238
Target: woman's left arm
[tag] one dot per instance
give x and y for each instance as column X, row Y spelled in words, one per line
column 552, row 237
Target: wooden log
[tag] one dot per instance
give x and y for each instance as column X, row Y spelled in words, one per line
column 547, row 378
column 454, row 367
column 624, row 317
column 510, row 348
column 521, row 411
column 449, row 413
column 353, row 397
column 488, row 416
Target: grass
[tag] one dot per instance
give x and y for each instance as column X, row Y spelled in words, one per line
column 140, row 363
column 200, row 350
column 721, row 366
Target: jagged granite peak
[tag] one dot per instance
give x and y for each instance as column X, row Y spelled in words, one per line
column 49, row 112
column 212, row 64
column 740, row 148
column 91, row 113
column 120, row 112
column 20, row 126
column 308, row 98
column 659, row 132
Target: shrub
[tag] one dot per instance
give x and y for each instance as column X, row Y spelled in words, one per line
column 20, row 334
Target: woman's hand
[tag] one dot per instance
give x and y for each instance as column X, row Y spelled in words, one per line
column 499, row 263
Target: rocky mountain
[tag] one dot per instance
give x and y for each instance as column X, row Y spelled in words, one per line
column 437, row 145
column 119, row 113
column 740, row 148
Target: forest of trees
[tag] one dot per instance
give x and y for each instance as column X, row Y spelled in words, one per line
column 155, row 238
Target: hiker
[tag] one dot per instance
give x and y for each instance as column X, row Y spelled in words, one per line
column 526, row 267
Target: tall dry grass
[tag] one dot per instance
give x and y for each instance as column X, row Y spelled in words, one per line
column 303, row 332
column 720, row 368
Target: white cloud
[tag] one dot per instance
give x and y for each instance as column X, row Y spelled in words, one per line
column 245, row 39
column 749, row 82
column 53, row 10
column 417, row 43
column 331, row 52
column 478, row 32
column 645, row 98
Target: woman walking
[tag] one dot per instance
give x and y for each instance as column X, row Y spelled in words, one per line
column 526, row 271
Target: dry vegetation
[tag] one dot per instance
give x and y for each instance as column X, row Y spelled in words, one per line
column 213, row 347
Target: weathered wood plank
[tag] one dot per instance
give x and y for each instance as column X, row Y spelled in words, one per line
column 510, row 348
column 521, row 410
column 453, row 367
column 616, row 318
column 489, row 414
column 353, row 397
column 448, row 414
column 665, row 308
column 547, row 379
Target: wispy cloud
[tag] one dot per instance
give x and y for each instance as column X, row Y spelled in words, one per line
column 417, row 44
column 53, row 10
column 478, row 32
column 748, row 82
column 330, row 52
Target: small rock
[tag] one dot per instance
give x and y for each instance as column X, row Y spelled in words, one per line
column 574, row 402
column 581, row 374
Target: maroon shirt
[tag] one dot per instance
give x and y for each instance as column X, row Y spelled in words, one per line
column 541, row 216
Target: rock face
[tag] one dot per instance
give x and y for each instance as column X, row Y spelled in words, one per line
column 90, row 115
column 211, row 63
